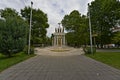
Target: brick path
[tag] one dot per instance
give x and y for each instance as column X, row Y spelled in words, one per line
column 74, row 67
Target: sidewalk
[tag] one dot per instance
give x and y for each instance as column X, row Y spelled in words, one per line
column 74, row 67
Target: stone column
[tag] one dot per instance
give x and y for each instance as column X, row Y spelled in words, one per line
column 64, row 40
column 54, row 40
column 61, row 42
column 57, row 40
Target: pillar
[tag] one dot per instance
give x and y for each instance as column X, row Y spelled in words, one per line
column 54, row 40
column 57, row 40
column 64, row 39
column 61, row 41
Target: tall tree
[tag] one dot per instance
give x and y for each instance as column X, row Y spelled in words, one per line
column 76, row 26
column 104, row 16
column 39, row 24
column 13, row 31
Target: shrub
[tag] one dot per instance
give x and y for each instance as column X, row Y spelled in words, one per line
column 12, row 35
column 87, row 50
column 26, row 50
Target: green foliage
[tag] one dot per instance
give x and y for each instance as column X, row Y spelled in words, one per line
column 71, row 22
column 7, row 12
column 25, row 50
column 77, row 28
column 48, row 41
column 116, row 38
column 105, row 14
column 39, row 24
column 87, row 50
column 13, row 31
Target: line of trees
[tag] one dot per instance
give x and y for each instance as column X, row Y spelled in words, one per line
column 105, row 15
column 14, row 26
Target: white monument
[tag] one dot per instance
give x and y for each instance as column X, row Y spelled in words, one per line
column 58, row 38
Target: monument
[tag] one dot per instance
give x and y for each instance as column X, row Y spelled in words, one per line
column 58, row 37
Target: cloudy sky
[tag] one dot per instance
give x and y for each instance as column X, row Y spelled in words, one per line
column 55, row 9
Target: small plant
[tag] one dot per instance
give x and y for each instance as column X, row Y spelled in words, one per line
column 87, row 50
column 31, row 50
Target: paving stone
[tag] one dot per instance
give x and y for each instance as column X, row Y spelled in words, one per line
column 73, row 67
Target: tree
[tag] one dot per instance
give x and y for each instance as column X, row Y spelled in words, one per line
column 104, row 16
column 116, row 38
column 39, row 24
column 13, row 30
column 48, row 41
column 8, row 12
column 76, row 26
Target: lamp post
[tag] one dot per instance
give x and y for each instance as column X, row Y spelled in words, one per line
column 91, row 48
column 30, row 29
column 94, row 35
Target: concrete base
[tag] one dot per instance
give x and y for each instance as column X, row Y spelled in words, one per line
column 59, row 51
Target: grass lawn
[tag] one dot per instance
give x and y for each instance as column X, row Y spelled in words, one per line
column 110, row 58
column 7, row 62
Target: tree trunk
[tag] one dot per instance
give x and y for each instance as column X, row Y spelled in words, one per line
column 9, row 54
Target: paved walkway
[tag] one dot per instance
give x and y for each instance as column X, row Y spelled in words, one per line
column 69, row 67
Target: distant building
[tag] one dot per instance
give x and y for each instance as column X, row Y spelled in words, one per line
column 58, row 38
column 116, row 29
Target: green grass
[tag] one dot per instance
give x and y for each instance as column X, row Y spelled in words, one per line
column 7, row 62
column 112, row 58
